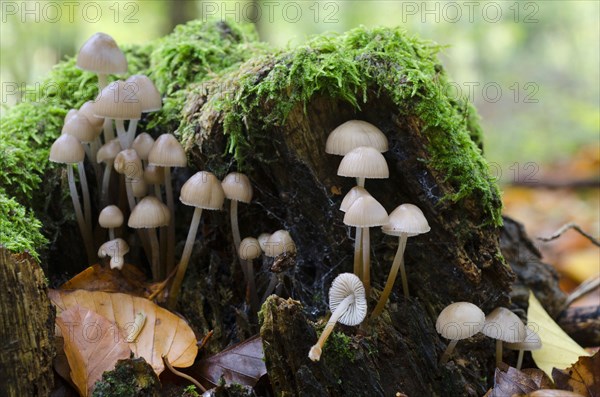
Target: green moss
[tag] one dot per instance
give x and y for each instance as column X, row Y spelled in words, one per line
column 383, row 61
column 339, row 347
column 19, row 229
column 130, row 378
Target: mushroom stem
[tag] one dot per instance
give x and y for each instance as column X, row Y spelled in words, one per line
column 85, row 234
column 448, row 352
column 109, row 133
column 520, row 359
column 155, row 256
column 106, row 182
column 360, row 181
column 235, row 231
column 366, row 255
column 122, row 134
column 397, row 264
column 358, row 253
column 270, row 287
column 85, row 192
column 498, row 352
column 102, row 80
column 315, row 351
column 111, row 233
column 185, row 258
column 171, row 226
column 131, row 129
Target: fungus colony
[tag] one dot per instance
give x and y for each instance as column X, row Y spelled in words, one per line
column 143, row 167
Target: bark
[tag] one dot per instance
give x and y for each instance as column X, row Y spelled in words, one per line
column 26, row 328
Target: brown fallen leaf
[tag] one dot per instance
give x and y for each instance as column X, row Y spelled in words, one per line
column 539, row 377
column 242, row 363
column 509, row 381
column 154, row 331
column 583, row 377
column 92, row 345
column 130, row 280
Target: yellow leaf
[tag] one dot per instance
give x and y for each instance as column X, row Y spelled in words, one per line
column 161, row 333
column 558, row 349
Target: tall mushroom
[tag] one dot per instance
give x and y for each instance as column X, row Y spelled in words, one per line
column 149, row 214
column 202, row 191
column 504, row 326
column 407, row 220
column 248, row 251
column 349, row 199
column 116, row 249
column 68, row 150
column 128, row 163
column 149, row 97
column 106, row 154
column 458, row 321
column 278, row 243
column 110, row 218
column 532, row 342
column 167, row 152
column 364, row 213
column 348, row 305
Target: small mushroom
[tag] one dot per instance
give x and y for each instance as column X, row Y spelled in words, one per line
column 149, row 97
column 348, row 305
column 128, row 163
column 248, row 251
column 532, row 342
column 142, row 144
column 504, row 326
column 458, row 321
column 106, row 154
column 355, row 133
column 262, row 240
column 407, row 220
column 111, row 218
column 118, row 101
column 101, row 54
column 364, row 162
column 116, row 249
column 278, row 243
column 349, row 199
column 202, row 191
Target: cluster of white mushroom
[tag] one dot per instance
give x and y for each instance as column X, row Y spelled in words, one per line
column 462, row 320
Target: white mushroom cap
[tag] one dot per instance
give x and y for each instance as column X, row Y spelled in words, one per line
column 101, row 54
column 139, row 187
column 149, row 213
column 87, row 109
column 118, row 101
column 532, row 342
column 364, row 162
column 67, row 149
column 406, row 218
column 504, row 325
column 116, row 249
column 70, row 114
column 365, row 212
column 110, row 217
column 279, row 243
column 460, row 320
column 128, row 162
column 249, row 249
column 147, row 93
column 263, row 238
column 167, row 152
column 142, row 144
column 80, row 127
column 237, row 187
column 351, row 196
column 344, row 285
column 355, row 133
column 108, row 151
column 203, row 190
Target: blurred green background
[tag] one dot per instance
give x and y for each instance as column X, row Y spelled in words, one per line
column 532, row 68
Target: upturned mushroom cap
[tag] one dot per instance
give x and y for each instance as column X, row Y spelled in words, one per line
column 365, row 212
column 167, row 152
column 263, row 238
column 279, row 243
column 149, row 213
column 147, row 93
column 128, row 162
column 108, row 151
column 80, row 127
column 142, row 144
column 364, row 162
column 203, row 190
column 460, row 320
column 110, row 217
column 355, row 133
column 67, row 149
column 116, row 249
column 87, row 109
column 154, row 175
column 344, row 285
column 118, row 101
column 249, row 249
column 406, row 218
column 532, row 342
column 351, row 196
column 237, row 187
column 504, row 325
column 101, row 54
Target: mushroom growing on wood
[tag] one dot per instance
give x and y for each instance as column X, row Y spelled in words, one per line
column 111, row 218
column 128, row 163
column 364, row 162
column 118, row 101
column 278, row 243
column 355, row 133
column 349, row 199
column 458, row 321
column 532, row 342
column 106, row 154
column 504, row 326
column 202, row 191
column 149, row 97
column 348, row 305
column 116, row 250
column 68, row 150
column 405, row 221
column 248, row 251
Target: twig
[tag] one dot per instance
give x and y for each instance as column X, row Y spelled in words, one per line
column 584, row 288
column 184, row 376
column 204, row 340
column 568, row 226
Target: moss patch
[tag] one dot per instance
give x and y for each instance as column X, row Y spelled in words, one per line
column 388, row 62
